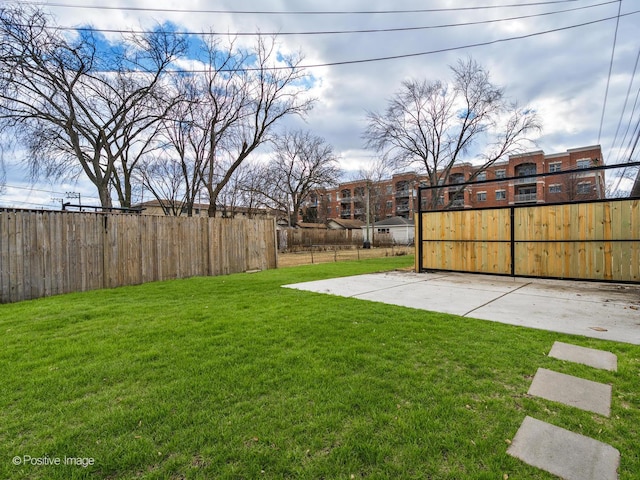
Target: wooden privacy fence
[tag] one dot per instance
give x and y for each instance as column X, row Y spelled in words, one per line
column 295, row 239
column 594, row 240
column 49, row 253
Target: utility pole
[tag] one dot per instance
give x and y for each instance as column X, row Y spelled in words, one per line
column 58, row 199
column 75, row 195
column 367, row 242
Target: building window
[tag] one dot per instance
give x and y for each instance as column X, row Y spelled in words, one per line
column 583, row 163
column 383, row 230
column 481, row 176
column 501, row 173
column 481, row 196
column 389, row 205
column 526, row 169
column 584, row 188
column 555, row 167
column 555, row 188
column 501, row 194
column 329, row 197
column 389, row 189
column 456, row 178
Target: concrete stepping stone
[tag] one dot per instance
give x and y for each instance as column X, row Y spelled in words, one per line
column 573, row 391
column 585, row 356
column 563, row 453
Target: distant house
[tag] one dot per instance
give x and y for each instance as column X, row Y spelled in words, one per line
column 400, row 229
column 342, row 224
column 308, row 225
column 166, row 207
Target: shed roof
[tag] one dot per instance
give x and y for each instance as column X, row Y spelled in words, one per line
column 394, row 221
column 347, row 224
column 310, row 225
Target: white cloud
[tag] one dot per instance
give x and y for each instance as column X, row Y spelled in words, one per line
column 562, row 75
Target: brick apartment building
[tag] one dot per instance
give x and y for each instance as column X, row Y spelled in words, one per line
column 397, row 196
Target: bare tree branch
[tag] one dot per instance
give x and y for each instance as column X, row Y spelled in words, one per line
column 76, row 110
column 301, row 163
column 434, row 125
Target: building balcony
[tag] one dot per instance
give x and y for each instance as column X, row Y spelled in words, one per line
column 524, row 180
column 346, row 199
column 402, row 208
column 358, row 211
column 345, row 213
column 526, row 197
column 403, row 193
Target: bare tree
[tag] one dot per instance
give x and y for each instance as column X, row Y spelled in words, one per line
column 78, row 109
column 241, row 96
column 173, row 175
column 301, row 163
column 164, row 178
column 248, row 182
column 374, row 173
column 433, row 125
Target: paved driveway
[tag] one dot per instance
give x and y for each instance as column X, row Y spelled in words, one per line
column 600, row 310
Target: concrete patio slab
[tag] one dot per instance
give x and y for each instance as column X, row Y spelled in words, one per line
column 563, row 453
column 573, row 391
column 585, row 356
column 599, row 310
column 360, row 284
column 539, row 306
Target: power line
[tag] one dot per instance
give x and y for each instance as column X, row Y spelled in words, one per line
column 624, row 106
column 284, row 12
column 631, row 149
column 330, row 32
column 418, row 54
column 18, row 202
column 33, row 189
column 613, row 50
column 397, row 57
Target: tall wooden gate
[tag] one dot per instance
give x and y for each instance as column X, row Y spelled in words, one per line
column 598, row 240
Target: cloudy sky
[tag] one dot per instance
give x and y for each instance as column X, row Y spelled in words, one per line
column 553, row 56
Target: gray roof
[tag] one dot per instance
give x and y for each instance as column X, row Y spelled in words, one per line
column 394, row 221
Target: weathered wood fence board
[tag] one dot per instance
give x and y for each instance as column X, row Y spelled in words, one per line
column 49, row 253
column 594, row 240
column 293, row 239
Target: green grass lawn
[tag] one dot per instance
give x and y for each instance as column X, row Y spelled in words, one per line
column 236, row 377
